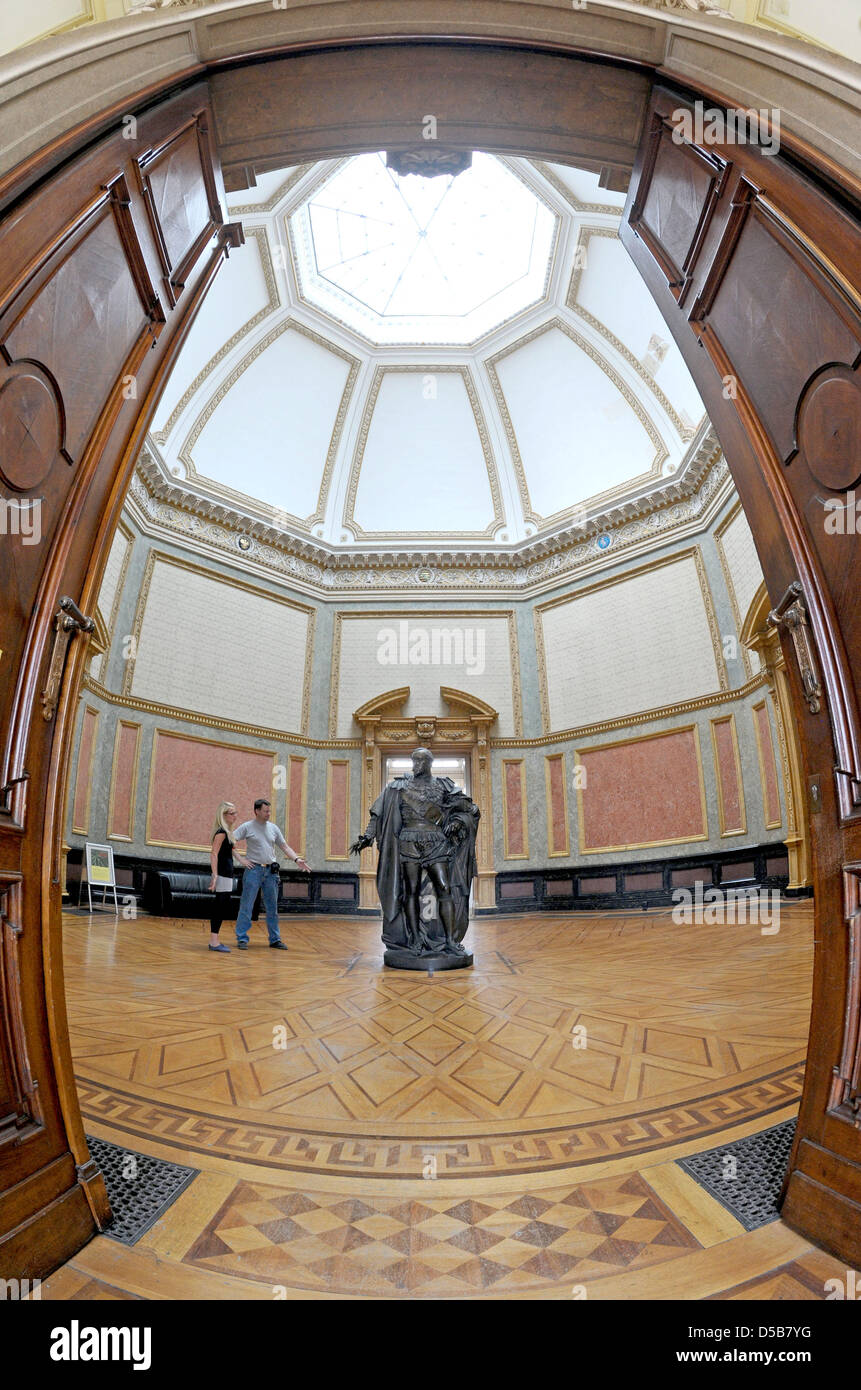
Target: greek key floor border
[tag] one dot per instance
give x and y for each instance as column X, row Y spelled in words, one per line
column 302, row 1150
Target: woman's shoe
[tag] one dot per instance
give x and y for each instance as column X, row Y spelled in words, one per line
column 225, row 950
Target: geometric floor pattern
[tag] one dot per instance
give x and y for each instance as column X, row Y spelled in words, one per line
column 441, row 1247
column 312, row 1089
column 323, row 1039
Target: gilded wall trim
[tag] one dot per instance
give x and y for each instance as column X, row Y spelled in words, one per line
column 380, row 373
column 643, row 844
column 632, row 720
column 124, row 724
column 740, row 829
column 761, row 752
column 565, row 851
column 719, row 532
column 571, row 596
column 88, row 772
column 233, row 726
column 111, row 620
column 237, row 498
column 273, row 302
column 259, row 209
column 524, row 809
column 192, row 738
column 568, row 330
column 160, row 556
column 433, row 616
column 297, row 767
column 330, row 765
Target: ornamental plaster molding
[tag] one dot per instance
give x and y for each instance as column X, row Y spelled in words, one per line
column 683, row 503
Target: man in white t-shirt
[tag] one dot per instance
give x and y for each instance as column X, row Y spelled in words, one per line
column 261, row 840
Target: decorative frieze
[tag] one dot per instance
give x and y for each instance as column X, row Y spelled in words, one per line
column 174, row 509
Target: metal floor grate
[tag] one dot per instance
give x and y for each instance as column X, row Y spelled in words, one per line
column 140, row 1188
column 746, row 1177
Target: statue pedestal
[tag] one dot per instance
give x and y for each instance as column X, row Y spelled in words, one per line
column 398, row 959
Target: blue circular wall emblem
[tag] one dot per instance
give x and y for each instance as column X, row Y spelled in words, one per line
column 603, row 542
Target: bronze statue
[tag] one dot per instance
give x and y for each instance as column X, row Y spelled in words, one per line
column 423, row 826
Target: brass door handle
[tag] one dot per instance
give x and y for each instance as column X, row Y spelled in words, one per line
column 68, row 621
column 791, row 613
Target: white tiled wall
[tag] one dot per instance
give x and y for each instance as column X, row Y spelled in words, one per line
column 363, row 674
column 113, row 569
column 636, row 645
column 209, row 646
column 742, row 562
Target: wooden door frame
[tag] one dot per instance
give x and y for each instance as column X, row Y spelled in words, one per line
column 741, row 433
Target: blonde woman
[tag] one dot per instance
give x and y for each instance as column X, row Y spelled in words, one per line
column 222, row 865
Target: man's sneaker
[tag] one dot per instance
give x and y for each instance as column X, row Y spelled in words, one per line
column 277, row 946
column 243, row 945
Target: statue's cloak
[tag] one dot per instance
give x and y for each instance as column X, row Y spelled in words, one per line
column 458, row 810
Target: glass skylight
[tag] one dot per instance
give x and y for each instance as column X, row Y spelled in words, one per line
column 425, row 260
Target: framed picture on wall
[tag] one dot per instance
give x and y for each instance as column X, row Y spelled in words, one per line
column 101, row 873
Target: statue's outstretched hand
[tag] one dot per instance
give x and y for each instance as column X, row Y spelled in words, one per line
column 358, row 845
column 455, row 831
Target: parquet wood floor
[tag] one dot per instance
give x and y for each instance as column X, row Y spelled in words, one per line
column 364, row 1132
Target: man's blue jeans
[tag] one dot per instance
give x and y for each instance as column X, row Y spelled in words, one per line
column 251, row 880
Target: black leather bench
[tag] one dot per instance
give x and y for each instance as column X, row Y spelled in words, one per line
column 173, row 894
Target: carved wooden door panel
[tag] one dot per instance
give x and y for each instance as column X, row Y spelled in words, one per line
column 101, row 272
column 755, row 267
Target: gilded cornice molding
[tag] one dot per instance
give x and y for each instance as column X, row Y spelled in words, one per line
column 211, row 722
column 625, row 721
column 168, row 508
column 261, row 209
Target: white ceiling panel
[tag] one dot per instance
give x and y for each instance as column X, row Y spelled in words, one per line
column 423, row 468
column 576, row 434
column 270, row 435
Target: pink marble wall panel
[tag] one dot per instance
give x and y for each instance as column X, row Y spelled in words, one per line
column 558, row 888
column 295, row 830
column 514, row 809
column 641, row 883
column 84, row 773
column 688, row 877
column 729, row 786
column 641, row 793
column 191, row 777
column 557, row 815
column 122, row 812
column 768, row 767
column 339, row 810
column 607, row 884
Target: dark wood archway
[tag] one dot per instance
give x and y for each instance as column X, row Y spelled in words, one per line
column 103, row 263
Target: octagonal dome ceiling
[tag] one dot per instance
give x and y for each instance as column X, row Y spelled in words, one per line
column 459, row 360
column 431, row 260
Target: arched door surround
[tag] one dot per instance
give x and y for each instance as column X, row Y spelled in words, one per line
column 113, row 228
